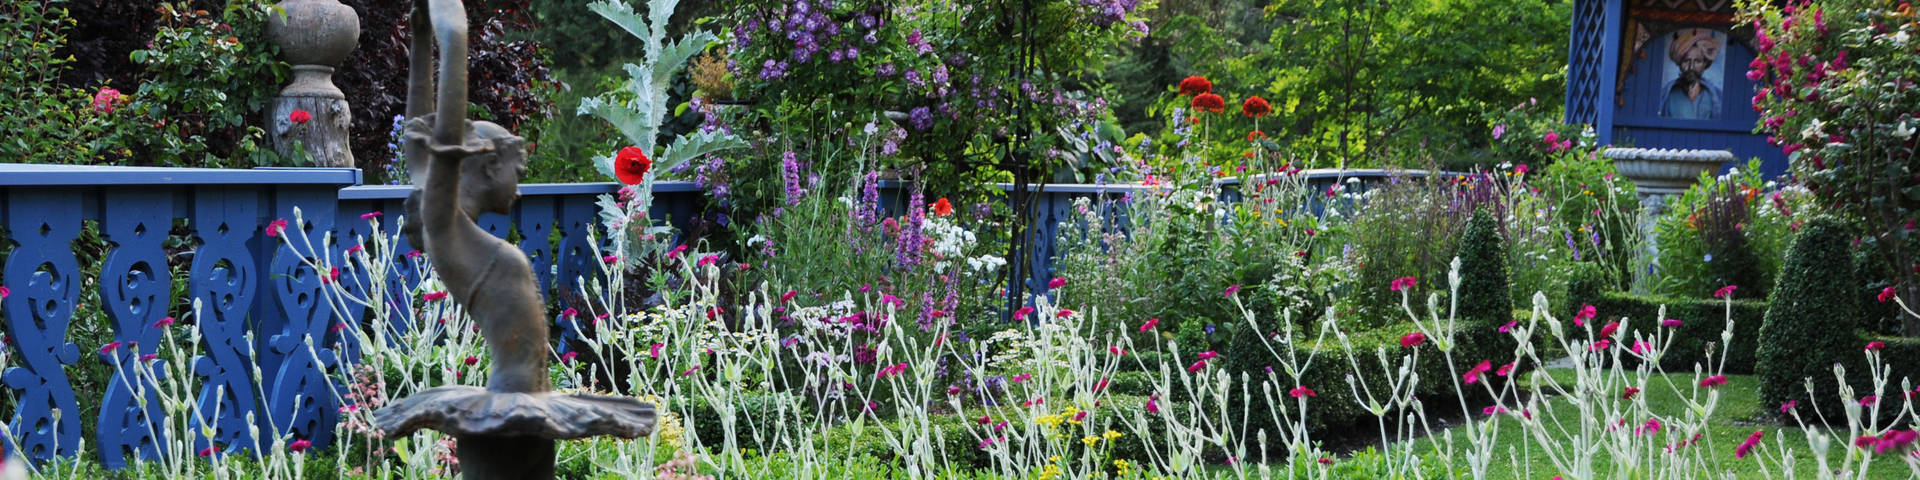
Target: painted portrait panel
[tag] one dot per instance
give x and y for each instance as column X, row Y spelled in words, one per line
column 1693, row 73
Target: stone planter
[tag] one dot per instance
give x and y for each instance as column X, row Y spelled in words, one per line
column 314, row 36
column 1658, row 171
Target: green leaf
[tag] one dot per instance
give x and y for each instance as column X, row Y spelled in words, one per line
column 696, row 144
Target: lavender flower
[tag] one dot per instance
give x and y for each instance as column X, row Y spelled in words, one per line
column 869, row 201
column 910, row 242
column 790, row 164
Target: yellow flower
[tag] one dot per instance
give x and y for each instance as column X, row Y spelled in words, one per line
column 1050, row 472
column 1110, row 435
column 1090, row 440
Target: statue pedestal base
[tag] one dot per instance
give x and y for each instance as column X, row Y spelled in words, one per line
column 487, row 457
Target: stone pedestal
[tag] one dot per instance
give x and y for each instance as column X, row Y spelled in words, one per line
column 1659, row 173
column 315, row 36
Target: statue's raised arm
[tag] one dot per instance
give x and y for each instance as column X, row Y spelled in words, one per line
column 508, row 428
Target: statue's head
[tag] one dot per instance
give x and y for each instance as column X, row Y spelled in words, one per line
column 490, row 182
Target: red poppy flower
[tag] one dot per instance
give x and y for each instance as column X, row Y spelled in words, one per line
column 942, row 207
column 1195, row 85
column 1207, row 102
column 1256, row 107
column 631, row 165
column 1256, row 135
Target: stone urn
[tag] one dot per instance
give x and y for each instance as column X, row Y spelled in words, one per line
column 310, row 117
column 1659, row 171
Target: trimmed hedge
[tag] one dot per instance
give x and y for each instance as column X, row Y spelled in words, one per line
column 1811, row 322
column 1703, row 320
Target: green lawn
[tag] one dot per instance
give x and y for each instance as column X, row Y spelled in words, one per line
column 1734, row 419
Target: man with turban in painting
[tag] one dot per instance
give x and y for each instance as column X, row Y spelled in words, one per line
column 1692, row 95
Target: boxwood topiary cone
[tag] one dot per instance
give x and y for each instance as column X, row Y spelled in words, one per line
column 1810, row 322
column 1486, row 299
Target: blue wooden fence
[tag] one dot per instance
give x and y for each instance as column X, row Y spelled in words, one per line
column 247, row 282
column 260, row 301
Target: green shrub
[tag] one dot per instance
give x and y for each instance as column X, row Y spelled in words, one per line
column 1484, row 294
column 1810, row 324
column 751, row 411
column 1701, row 323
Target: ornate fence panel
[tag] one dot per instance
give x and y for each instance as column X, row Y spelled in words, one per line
column 170, row 237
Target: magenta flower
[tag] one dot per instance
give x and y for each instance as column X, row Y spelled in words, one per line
column 1209, row 355
column 1232, row 290
column 690, row 371
column 1713, row 381
column 1609, row 329
column 568, row 357
column 1887, row 294
column 434, row 296
column 109, row 347
column 1747, row 446
column 1301, row 391
column 370, row 215
column 1064, row 313
column 4, row 292
column 471, row 360
column 1642, row 347
column 1197, row 366
column 1116, row 350
column 1788, row 407
column 1022, row 377
column 1493, row 409
column 1505, row 369
column 299, row 446
column 1035, row 401
column 275, row 227
column 1587, row 312
column 149, row 357
column 1724, row 291
column 1652, row 426
column 1473, row 374
column 1151, row 322
column 1100, row 385
column 1672, row 323
column 1629, row 393
column 1509, row 326
column 1057, row 282
column 709, row 259
column 654, row 351
column 677, row 250
column 788, row 297
column 1153, row 404
column 1413, row 340
column 1023, row 312
column 1603, row 344
column 1867, row 401
column 206, row 452
column 355, row 249
column 1404, row 283
column 163, row 323
column 1520, row 169
column 1876, row 345
column 610, row 259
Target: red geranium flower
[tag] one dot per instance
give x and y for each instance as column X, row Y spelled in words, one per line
column 942, row 207
column 299, row 116
column 1207, row 102
column 1195, row 85
column 1256, row 107
column 631, row 165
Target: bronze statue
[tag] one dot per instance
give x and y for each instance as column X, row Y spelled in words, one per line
column 508, row 429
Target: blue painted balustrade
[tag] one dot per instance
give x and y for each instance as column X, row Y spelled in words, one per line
column 263, row 309
column 271, row 344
